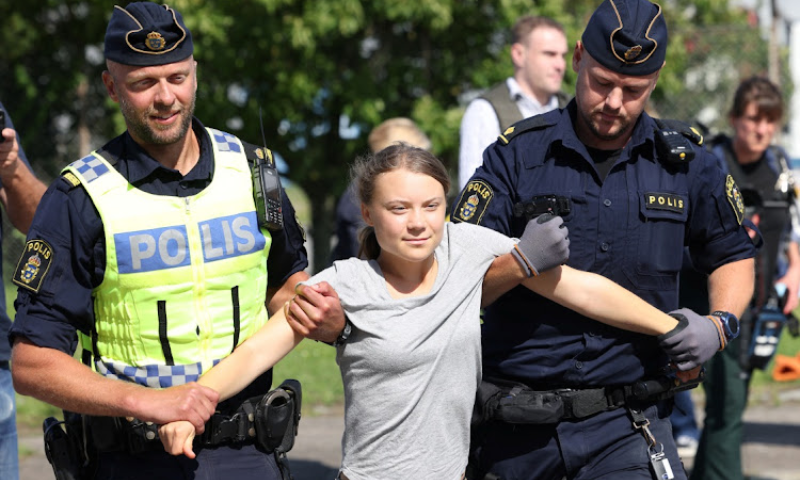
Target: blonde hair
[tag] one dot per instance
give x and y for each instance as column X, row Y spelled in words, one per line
column 394, row 130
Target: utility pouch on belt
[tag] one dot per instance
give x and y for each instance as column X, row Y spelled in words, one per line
column 508, row 402
column 278, row 416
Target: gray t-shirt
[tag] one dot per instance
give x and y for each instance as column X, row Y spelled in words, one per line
column 411, row 366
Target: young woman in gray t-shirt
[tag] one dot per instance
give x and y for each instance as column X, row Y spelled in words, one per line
column 412, row 363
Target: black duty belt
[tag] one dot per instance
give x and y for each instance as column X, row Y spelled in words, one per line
column 269, row 420
column 508, row 402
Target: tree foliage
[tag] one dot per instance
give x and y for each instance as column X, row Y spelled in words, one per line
column 321, row 72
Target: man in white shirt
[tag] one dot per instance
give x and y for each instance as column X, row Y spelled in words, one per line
column 538, row 52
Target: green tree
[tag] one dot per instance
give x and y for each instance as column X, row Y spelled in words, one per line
column 322, row 73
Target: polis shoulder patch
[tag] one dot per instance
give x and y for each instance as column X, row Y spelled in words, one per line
column 531, row 123
column 734, row 198
column 473, row 202
column 33, row 265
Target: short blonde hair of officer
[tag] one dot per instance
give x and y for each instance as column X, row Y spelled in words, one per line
column 396, row 130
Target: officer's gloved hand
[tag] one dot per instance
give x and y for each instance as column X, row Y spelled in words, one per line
column 543, row 245
column 695, row 340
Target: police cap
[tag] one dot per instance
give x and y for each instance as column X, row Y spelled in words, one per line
column 146, row 34
column 627, row 36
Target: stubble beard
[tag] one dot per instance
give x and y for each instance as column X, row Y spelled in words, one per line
column 144, row 132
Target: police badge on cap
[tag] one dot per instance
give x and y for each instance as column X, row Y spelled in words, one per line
column 146, row 34
column 627, row 36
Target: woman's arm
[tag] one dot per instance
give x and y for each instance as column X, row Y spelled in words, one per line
column 255, row 356
column 601, row 299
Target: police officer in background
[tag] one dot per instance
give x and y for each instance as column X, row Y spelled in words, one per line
column 630, row 206
column 149, row 251
column 759, row 166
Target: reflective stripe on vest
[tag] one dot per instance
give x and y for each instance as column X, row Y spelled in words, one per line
column 185, row 278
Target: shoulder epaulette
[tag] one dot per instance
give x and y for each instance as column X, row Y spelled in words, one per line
column 683, row 128
column 71, row 179
column 255, row 153
column 536, row 122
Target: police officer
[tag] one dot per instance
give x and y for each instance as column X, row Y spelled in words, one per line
column 148, row 251
column 761, row 167
column 632, row 205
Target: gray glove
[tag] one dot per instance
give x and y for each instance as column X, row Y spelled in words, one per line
column 543, row 245
column 695, row 340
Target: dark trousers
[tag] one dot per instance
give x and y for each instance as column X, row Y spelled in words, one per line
column 222, row 463
column 719, row 455
column 604, row 446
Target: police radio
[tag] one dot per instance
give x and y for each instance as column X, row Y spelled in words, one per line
column 673, row 147
column 267, row 191
column 539, row 205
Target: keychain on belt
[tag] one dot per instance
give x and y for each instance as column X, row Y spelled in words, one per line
column 659, row 462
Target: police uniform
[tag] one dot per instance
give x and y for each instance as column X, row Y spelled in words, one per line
column 631, row 227
column 158, row 292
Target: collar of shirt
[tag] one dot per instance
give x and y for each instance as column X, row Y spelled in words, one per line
column 528, row 106
column 137, row 166
column 643, row 132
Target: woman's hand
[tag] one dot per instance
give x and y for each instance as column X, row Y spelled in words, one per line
column 177, row 438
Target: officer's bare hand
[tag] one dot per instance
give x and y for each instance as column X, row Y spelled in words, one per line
column 688, row 375
column 316, row 313
column 192, row 402
column 9, row 157
column 177, row 438
column 695, row 340
column 543, row 245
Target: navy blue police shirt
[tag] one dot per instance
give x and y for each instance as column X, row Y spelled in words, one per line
column 5, row 321
column 630, row 227
column 69, row 222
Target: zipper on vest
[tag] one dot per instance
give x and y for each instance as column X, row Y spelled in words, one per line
column 201, row 312
column 236, row 316
column 162, row 333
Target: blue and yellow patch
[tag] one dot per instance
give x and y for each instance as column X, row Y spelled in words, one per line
column 734, row 198
column 473, row 202
column 33, row 265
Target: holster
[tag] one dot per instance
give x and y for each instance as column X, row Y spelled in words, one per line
column 65, row 448
column 278, row 417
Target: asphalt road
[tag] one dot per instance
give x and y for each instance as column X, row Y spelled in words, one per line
column 771, row 448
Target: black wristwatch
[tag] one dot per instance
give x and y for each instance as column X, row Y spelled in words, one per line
column 730, row 324
column 348, row 328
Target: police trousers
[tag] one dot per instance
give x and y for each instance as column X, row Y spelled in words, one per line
column 240, row 462
column 601, row 447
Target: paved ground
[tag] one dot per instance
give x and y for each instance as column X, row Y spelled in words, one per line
column 771, row 449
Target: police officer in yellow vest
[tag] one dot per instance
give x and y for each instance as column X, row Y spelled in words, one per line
column 149, row 250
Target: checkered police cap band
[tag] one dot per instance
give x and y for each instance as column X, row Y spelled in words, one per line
column 146, row 34
column 627, row 36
